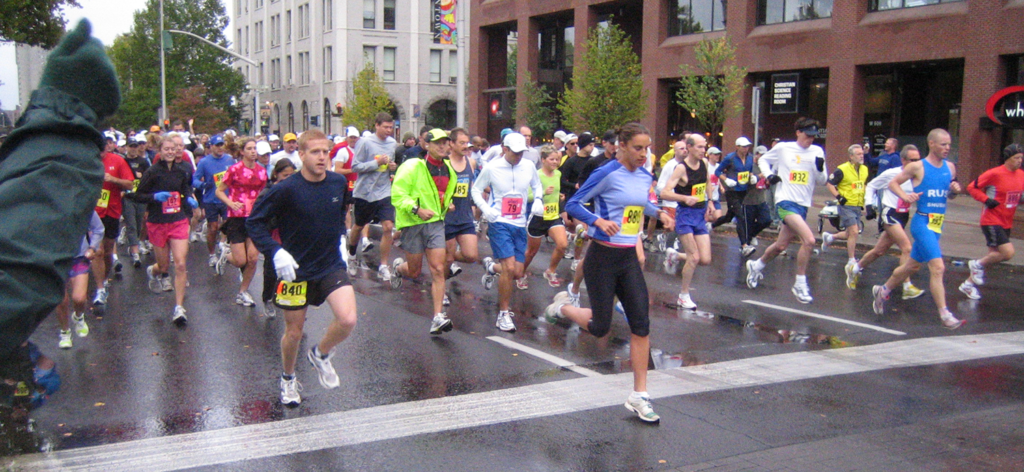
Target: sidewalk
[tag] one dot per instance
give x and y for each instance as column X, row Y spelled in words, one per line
column 961, row 235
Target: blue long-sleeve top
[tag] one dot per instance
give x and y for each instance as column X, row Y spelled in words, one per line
column 732, row 166
column 885, row 162
column 205, row 177
column 619, row 196
column 310, row 221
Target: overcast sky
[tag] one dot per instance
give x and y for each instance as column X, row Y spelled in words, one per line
column 108, row 21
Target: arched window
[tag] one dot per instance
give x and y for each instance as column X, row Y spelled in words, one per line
column 291, row 118
column 441, row 114
column 305, row 116
column 327, row 116
column 277, row 119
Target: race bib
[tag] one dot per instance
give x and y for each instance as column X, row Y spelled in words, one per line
column 799, row 177
column 104, row 198
column 462, row 187
column 858, row 186
column 700, row 191
column 351, row 184
column 218, row 178
column 1012, row 199
column 291, row 293
column 512, row 206
column 902, row 205
column 743, row 177
column 632, row 218
column 172, row 204
column 550, row 211
column 935, row 222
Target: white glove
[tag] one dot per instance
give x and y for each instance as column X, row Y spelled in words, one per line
column 491, row 214
column 285, row 265
column 729, row 182
column 752, row 180
column 538, row 208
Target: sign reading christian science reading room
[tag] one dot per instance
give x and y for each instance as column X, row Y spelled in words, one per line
column 785, row 90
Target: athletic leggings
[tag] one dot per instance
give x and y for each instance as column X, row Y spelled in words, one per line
column 734, row 209
column 611, row 272
column 134, row 215
column 269, row 280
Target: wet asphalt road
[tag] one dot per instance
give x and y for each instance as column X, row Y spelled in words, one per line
column 138, row 376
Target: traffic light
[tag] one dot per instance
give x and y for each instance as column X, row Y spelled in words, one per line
column 338, row 110
column 314, row 120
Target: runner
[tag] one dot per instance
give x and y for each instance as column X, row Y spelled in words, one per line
column 999, row 189
column 422, row 195
column 461, row 241
column 672, row 255
column 72, row 308
column 755, row 207
column 308, row 209
column 893, row 218
column 934, row 180
column 208, row 176
column 802, row 163
column 509, row 179
column 688, row 186
column 612, row 267
column 290, row 152
column 282, row 170
column 134, row 213
column 847, row 184
column 735, row 172
column 374, row 158
column 244, row 180
column 714, row 156
column 117, row 178
column 549, row 224
column 164, row 186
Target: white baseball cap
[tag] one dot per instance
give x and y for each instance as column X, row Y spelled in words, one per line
column 263, row 147
column 743, row 141
column 515, row 141
column 351, row 132
column 273, row 137
column 560, row 135
column 714, row 150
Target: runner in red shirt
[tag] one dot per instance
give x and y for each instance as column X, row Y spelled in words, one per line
column 1000, row 189
column 117, row 177
column 244, row 180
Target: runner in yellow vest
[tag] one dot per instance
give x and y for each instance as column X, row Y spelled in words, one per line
column 848, row 183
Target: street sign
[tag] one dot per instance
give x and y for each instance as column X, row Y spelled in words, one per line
column 168, row 42
column 785, row 93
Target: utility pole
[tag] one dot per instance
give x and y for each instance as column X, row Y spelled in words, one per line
column 460, row 57
column 163, row 70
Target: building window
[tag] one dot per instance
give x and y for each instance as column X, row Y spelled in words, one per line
column 435, row 65
column 881, row 5
column 305, row 116
column 291, row 118
column 370, row 55
column 770, row 12
column 369, row 14
column 695, row 16
column 258, row 36
column 327, row 116
column 238, row 40
column 328, row 64
column 288, row 27
column 303, row 21
column 288, row 71
column 247, row 40
column 260, row 78
column 328, row 17
column 238, row 7
column 259, row 4
column 273, row 31
column 453, row 67
column 389, row 14
column 304, row 68
column 389, row 63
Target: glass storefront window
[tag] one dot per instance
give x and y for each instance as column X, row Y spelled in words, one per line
column 695, row 16
column 882, row 5
column 770, row 12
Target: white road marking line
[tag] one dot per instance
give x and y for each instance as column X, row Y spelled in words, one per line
column 347, row 428
column 545, row 356
column 826, row 317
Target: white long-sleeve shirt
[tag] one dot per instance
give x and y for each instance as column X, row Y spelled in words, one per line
column 796, row 166
column 507, row 183
column 889, row 199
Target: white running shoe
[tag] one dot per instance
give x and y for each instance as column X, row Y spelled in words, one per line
column 440, row 324
column 574, row 265
column 165, row 283
column 365, row 245
column 446, row 301
column 977, row 272
column 685, row 302
column 324, row 369
column 122, row 237
column 269, row 309
column 553, row 312
column 671, row 261
column 179, row 315
column 949, row 321
column 574, row 298
column 290, row 392
column 101, row 297
column 81, row 327
column 753, row 274
column 523, row 283
column 504, row 322
column 747, row 250
column 878, row 305
column 244, row 299
column 353, row 265
column 393, row 276
column 852, row 275
column 826, row 240
column 154, row 280
column 455, row 269
column 970, row 290
column 642, row 407
column 802, row 292
column 384, row 272
column 65, row 339
column 212, row 260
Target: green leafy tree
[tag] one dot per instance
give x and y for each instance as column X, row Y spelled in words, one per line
column 192, row 103
column 607, row 89
column 710, row 87
column 189, row 62
column 367, row 97
column 537, row 107
column 34, row 22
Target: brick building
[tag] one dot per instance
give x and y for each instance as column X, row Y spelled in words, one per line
column 865, row 68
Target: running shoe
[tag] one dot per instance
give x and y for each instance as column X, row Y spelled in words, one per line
column 574, row 298
column 118, row 266
column 826, row 240
column 662, row 242
column 222, row 258
column 803, row 293
column 553, row 279
column 685, row 302
column 970, row 290
column 122, row 237
column 878, row 305
column 671, row 261
column 81, row 327
column 179, row 317
column 290, row 392
column 523, row 283
column 977, row 272
column 642, row 407
column 353, row 266
column 244, row 299
column 145, row 247
column 574, row 265
column 446, row 301
column 753, row 274
column 949, row 321
column 504, row 322
column 911, row 292
column 154, row 280
column 384, row 272
column 455, row 269
column 391, row 273
column 365, row 245
column 65, row 339
column 325, row 371
column 101, row 297
column 136, row 261
column 212, row 261
column 553, row 312
column 165, row 283
column 269, row 309
column 440, row 324
column 747, row 250
column 618, row 307
column 852, row 275
column 753, row 242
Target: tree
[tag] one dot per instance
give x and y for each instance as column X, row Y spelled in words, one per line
column 712, row 84
column 607, row 89
column 189, row 62
column 192, row 102
column 34, row 22
column 367, row 97
column 536, row 103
